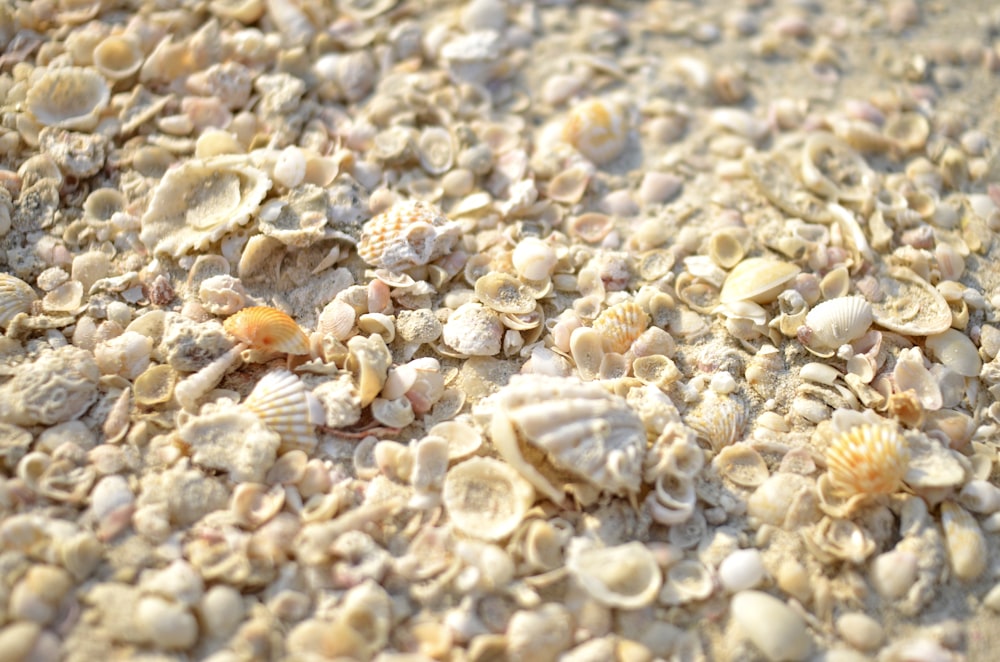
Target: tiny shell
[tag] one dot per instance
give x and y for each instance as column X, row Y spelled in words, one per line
column 868, row 459
column 598, row 129
column 757, row 279
column 287, row 407
column 834, row 323
column 620, row 325
column 267, row 329
column 410, row 233
column 486, row 498
column 718, row 419
column 742, row 464
column 773, row 627
column 436, row 150
column 687, row 581
column 117, row 57
column 623, row 577
column 965, row 541
column 16, row 297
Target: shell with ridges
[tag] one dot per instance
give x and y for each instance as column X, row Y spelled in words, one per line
column 620, row 325
column 834, row 323
column 868, row 459
column 267, row 329
column 409, row 234
column 286, row 405
column 16, row 297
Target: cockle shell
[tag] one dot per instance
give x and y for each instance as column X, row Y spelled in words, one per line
column 757, row 279
column 868, row 459
column 834, row 323
column 267, row 329
column 718, row 419
column 409, row 234
column 486, row 498
column 288, row 407
column 16, row 297
column 579, row 428
column 598, row 129
column 620, row 325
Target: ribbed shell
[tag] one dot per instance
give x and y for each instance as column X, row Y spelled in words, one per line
column 868, row 459
column 16, row 297
column 409, row 234
column 288, row 407
column 837, row 321
column 268, row 329
column 620, row 325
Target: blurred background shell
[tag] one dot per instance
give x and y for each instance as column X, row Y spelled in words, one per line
column 486, row 498
column 16, row 297
column 68, row 98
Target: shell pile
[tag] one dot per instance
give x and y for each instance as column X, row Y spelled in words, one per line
column 499, row 330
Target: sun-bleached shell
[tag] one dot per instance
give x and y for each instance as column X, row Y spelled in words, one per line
column 757, row 279
column 68, row 97
column 868, row 459
column 504, row 294
column 598, row 129
column 718, row 419
column 967, row 549
column 582, row 430
column 911, row 306
column 955, row 350
column 267, row 329
column 408, row 234
column 287, row 407
column 834, row 323
column 777, row 630
column 742, row 464
column 486, row 498
column 623, row 577
column 620, row 325
column 16, row 297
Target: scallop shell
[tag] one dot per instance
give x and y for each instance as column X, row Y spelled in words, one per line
column 718, row 419
column 267, row 329
column 410, row 233
column 622, row 577
column 834, row 323
column 598, row 129
column 868, row 459
column 757, row 279
column 486, row 498
column 579, row 429
column 68, row 98
column 620, row 325
column 965, row 541
column 16, row 297
column 911, row 306
column 287, row 407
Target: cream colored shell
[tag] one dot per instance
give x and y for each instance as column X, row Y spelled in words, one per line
column 624, row 577
column 68, row 98
column 486, row 498
column 757, row 279
column 409, row 234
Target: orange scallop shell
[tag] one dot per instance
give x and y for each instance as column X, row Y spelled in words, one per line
column 267, row 329
column 620, row 325
column 868, row 459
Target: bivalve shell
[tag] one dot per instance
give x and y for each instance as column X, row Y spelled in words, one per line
column 911, row 306
column 486, row 498
column 286, row 405
column 598, row 129
column 623, row 577
column 757, row 279
column 267, row 329
column 965, row 541
column 504, row 294
column 868, row 459
column 775, row 629
column 956, row 351
column 620, row 325
column 68, row 98
column 410, row 233
column 834, row 323
column 16, row 297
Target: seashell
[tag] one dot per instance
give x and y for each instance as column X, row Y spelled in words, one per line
column 201, row 201
column 68, row 98
column 533, row 259
column 540, row 634
column 620, row 325
column 956, row 351
column 673, row 498
column 474, row 330
column 774, row 628
column 908, row 131
column 436, row 150
column 839, row 539
column 910, row 306
column 267, row 329
column 656, row 369
column 188, row 391
column 67, row 298
column 774, row 174
column 397, row 413
column 591, row 227
column 834, row 323
column 980, row 496
column 933, row 466
column 741, row 570
column 117, row 57
column 742, row 464
column 285, row 404
column 463, row 439
column 868, row 459
column 569, row 185
column 368, row 360
column 583, row 431
column 486, row 498
column 967, row 549
column 718, row 419
column 894, row 572
column 909, row 374
column 411, row 233
column 686, row 581
column 757, row 279
column 504, row 294
column 622, row 577
column 598, row 129
column 833, row 170
column 773, row 502
column 16, row 297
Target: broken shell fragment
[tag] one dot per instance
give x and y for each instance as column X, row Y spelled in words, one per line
column 910, row 306
column 965, row 541
column 623, row 577
column 486, row 498
column 267, row 329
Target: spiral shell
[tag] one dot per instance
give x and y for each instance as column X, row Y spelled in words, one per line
column 267, row 329
column 409, row 234
column 286, row 405
column 868, row 459
column 620, row 325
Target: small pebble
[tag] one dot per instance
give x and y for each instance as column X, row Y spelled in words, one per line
column 741, row 570
column 860, row 630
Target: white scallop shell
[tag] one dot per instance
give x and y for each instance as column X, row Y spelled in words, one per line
column 836, row 322
column 16, row 297
column 287, row 406
column 584, row 432
column 624, row 577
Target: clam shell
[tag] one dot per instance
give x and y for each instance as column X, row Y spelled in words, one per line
column 504, row 294
column 267, row 329
column 868, row 459
column 486, row 498
column 955, row 350
column 68, row 98
column 911, row 306
column 965, row 541
column 16, row 297
column 718, row 419
column 742, row 464
column 620, row 325
column 757, row 279
column 117, row 57
column 286, row 405
column 410, row 233
column 622, row 577
column 581, row 429
column 836, row 322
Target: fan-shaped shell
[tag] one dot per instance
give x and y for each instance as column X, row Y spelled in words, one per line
column 68, row 98
column 620, row 325
column 868, row 459
column 624, row 577
column 286, row 405
column 757, row 279
column 410, row 233
column 579, row 428
column 836, row 322
column 718, row 419
column 267, row 329
column 16, row 297
column 486, row 498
